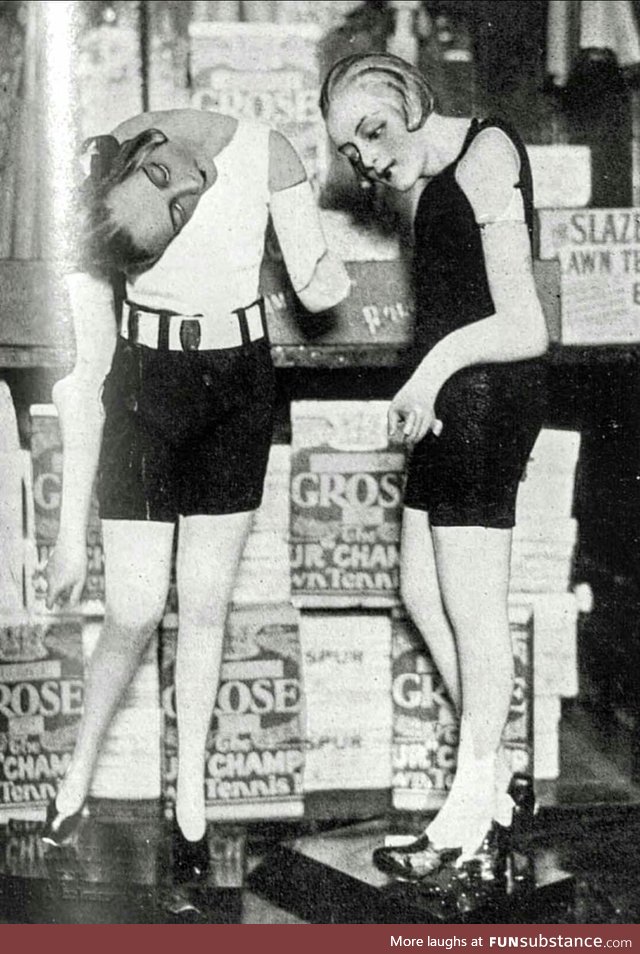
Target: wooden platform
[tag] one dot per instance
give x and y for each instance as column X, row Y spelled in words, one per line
column 329, row 878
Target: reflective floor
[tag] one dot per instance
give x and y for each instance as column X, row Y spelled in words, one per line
column 577, row 865
column 330, row 877
column 118, row 869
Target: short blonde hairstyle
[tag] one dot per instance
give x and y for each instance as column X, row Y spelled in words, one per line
column 415, row 93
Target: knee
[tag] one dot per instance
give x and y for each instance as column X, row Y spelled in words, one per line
column 202, row 606
column 202, row 615
column 420, row 598
column 134, row 619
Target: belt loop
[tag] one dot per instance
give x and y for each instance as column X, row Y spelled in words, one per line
column 263, row 318
column 133, row 325
column 163, row 331
column 244, row 326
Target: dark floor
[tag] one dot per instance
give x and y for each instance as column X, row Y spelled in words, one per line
column 107, row 881
column 597, row 753
column 588, row 824
column 591, row 815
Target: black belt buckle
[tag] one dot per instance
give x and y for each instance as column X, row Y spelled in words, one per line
column 190, row 334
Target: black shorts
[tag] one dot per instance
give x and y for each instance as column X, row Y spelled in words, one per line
column 185, row 432
column 469, row 475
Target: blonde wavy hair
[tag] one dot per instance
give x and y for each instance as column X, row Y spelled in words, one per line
column 401, row 78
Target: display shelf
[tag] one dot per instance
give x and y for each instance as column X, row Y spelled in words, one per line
column 36, row 330
column 372, row 328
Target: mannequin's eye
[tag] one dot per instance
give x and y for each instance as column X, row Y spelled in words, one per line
column 158, row 174
column 178, row 216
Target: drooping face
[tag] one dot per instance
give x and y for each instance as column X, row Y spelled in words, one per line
column 368, row 126
column 156, row 201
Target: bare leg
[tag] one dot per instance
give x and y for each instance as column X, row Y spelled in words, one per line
column 420, row 588
column 420, row 591
column 209, row 551
column 473, row 569
column 137, row 564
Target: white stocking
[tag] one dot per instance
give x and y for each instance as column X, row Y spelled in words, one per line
column 197, row 670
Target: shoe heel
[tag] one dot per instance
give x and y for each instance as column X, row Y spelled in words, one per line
column 489, row 862
column 190, row 858
column 59, row 831
column 521, row 790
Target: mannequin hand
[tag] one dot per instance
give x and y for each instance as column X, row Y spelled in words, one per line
column 66, row 572
column 412, row 413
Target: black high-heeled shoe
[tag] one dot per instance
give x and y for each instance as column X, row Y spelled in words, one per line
column 190, row 858
column 488, row 862
column 414, row 861
column 463, row 885
column 521, row 789
column 60, row 830
column 420, row 859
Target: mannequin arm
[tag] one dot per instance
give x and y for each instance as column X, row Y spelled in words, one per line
column 318, row 276
column 78, row 400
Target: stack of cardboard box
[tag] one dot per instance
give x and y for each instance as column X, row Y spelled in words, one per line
column 345, row 659
column 543, row 547
column 345, row 530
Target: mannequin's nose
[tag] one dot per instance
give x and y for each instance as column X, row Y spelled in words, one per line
column 190, row 184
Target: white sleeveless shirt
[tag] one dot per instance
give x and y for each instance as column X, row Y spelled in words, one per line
column 213, row 264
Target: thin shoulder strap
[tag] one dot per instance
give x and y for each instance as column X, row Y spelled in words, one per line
column 472, row 132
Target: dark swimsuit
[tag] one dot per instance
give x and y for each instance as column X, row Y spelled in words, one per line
column 491, row 413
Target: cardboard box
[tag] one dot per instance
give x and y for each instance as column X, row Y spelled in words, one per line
column 347, row 687
column 561, row 175
column 346, row 504
column 547, row 737
column 545, row 494
column 599, row 255
column 263, row 71
column 41, row 699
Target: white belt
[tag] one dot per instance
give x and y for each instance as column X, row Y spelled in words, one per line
column 192, row 332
